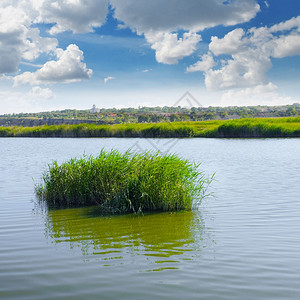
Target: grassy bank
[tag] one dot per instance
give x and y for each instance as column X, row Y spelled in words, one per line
column 122, row 183
column 240, row 128
column 256, row 128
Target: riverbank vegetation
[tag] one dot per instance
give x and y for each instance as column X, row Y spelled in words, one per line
column 147, row 115
column 124, row 183
column 240, row 128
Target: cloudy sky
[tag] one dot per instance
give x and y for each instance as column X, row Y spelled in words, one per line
column 57, row 54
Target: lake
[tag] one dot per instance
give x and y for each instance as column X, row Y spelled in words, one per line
column 242, row 243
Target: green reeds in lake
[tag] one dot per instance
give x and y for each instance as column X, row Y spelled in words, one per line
column 123, row 183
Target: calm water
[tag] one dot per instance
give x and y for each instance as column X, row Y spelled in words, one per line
column 243, row 243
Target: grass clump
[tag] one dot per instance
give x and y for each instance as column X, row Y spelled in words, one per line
column 124, row 183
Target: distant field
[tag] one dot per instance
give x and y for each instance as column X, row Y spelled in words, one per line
column 239, row 128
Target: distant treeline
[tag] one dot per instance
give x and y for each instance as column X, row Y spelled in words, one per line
column 240, row 128
column 148, row 115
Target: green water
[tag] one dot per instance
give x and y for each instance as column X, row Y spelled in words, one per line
column 167, row 237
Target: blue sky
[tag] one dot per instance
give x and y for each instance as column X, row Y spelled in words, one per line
column 121, row 53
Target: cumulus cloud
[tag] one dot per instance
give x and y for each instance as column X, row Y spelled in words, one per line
column 75, row 15
column 17, row 39
column 248, row 55
column 35, row 45
column 155, row 19
column 158, row 21
column 12, row 38
column 169, row 48
column 243, row 70
column 191, row 15
column 232, row 43
column 287, row 25
column 69, row 67
column 287, row 46
column 206, row 63
column 20, row 41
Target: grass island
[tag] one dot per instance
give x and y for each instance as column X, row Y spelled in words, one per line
column 124, row 183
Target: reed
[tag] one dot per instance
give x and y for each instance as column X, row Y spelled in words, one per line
column 260, row 128
column 123, row 183
column 239, row 128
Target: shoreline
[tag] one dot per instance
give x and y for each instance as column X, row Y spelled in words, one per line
column 236, row 128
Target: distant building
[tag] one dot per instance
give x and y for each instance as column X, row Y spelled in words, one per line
column 94, row 110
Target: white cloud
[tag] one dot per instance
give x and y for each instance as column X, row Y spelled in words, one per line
column 67, row 68
column 207, row 62
column 287, row 25
column 12, row 38
column 191, row 15
column 36, row 45
column 250, row 55
column 231, row 43
column 39, row 93
column 26, row 63
column 75, row 15
column 244, row 70
column 17, row 39
column 246, row 56
column 25, row 101
column 108, row 78
column 20, row 41
column 288, row 43
column 6, row 78
column 259, row 95
column 287, row 46
column 169, row 48
column 158, row 20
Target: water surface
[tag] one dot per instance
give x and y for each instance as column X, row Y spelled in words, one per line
column 243, row 243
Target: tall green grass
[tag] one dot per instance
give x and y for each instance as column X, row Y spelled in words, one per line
column 240, row 128
column 123, row 183
column 260, row 128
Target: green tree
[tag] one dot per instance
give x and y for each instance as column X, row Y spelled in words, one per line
column 291, row 111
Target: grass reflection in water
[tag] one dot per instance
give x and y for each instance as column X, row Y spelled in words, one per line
column 164, row 237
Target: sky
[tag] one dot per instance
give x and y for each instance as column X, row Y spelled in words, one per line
column 71, row 54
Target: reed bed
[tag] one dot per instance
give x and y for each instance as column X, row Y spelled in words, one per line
column 260, row 128
column 124, row 183
column 238, row 128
